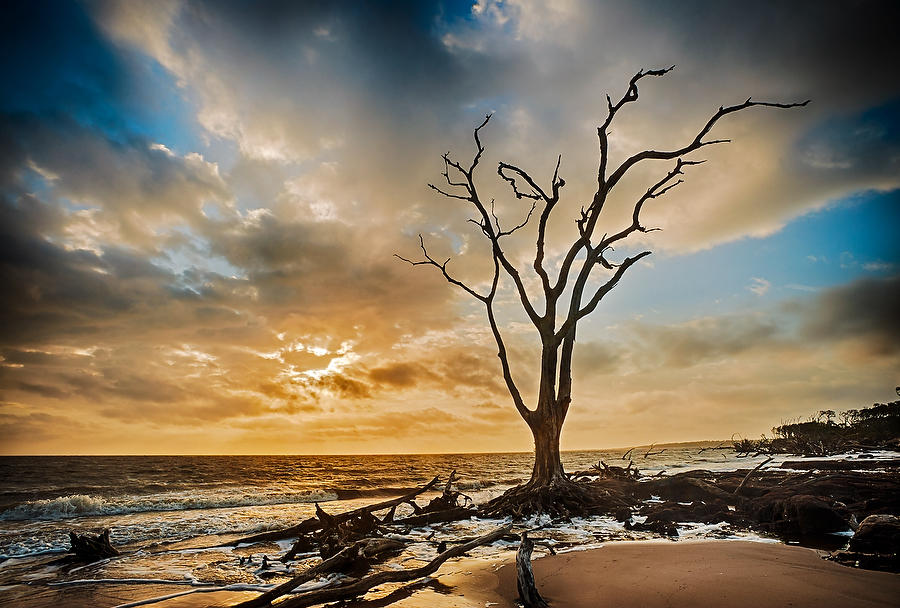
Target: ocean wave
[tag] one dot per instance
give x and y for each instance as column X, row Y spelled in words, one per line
column 484, row 484
column 352, row 493
column 85, row 505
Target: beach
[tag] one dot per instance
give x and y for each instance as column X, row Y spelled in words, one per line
column 724, row 574
column 645, row 574
column 181, row 534
column 666, row 574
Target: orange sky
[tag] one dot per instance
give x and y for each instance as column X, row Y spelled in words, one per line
column 201, row 204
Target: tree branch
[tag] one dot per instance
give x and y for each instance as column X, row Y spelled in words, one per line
column 697, row 142
column 448, row 194
column 429, row 261
column 655, row 191
column 575, row 312
column 502, row 233
column 631, row 94
column 607, row 287
column 537, row 194
column 556, row 183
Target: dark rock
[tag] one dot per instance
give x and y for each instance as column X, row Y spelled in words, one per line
column 885, row 562
column 695, row 512
column 622, row 514
column 840, row 465
column 684, row 488
column 877, row 534
column 803, row 514
column 653, row 525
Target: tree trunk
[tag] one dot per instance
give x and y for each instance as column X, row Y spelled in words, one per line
column 548, row 467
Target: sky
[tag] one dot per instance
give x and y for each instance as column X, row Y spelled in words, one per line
column 201, row 203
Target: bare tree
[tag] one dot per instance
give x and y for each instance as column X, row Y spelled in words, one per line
column 584, row 255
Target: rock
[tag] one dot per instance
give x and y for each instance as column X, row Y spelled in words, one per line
column 877, row 534
column 885, row 562
column 684, row 488
column 695, row 512
column 661, row 527
column 622, row 514
column 802, row 514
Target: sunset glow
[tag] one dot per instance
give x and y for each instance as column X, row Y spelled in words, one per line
column 201, row 203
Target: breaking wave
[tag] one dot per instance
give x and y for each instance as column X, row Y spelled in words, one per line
column 81, row 505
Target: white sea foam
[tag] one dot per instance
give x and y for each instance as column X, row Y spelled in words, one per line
column 79, row 505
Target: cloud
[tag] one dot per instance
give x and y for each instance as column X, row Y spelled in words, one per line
column 200, row 204
column 759, row 286
column 864, row 310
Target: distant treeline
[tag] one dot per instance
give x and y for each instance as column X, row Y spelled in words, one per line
column 828, row 432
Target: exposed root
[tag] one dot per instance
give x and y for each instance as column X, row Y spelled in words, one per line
column 560, row 499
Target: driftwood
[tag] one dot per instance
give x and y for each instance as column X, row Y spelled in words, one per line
column 650, row 451
column 449, row 498
column 528, row 593
column 92, row 548
column 360, row 554
column 719, row 446
column 630, row 472
column 314, row 523
column 436, row 517
column 357, row 587
column 331, row 533
column 751, row 472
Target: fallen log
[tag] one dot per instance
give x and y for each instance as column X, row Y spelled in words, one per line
column 528, row 593
column 435, row 517
column 357, row 587
column 314, row 523
column 92, row 548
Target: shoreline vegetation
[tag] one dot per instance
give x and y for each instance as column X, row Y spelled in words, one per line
column 828, row 432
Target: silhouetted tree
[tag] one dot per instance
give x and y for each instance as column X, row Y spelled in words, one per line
column 557, row 321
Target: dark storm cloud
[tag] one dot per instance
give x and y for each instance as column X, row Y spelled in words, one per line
column 52, row 51
column 702, row 340
column 450, row 369
column 21, row 430
column 862, row 142
column 137, row 185
column 400, row 374
column 51, row 290
column 865, row 310
column 843, row 51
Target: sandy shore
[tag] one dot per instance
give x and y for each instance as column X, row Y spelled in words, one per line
column 724, row 574
column 649, row 574
column 719, row 574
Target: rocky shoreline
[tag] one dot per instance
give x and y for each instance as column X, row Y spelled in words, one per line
column 817, row 508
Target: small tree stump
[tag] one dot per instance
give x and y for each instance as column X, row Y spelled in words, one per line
column 91, row 549
column 528, row 592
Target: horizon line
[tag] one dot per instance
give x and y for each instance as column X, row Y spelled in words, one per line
column 604, row 449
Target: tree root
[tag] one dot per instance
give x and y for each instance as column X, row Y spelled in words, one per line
column 560, row 499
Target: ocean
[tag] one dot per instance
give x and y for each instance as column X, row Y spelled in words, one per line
column 171, row 514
